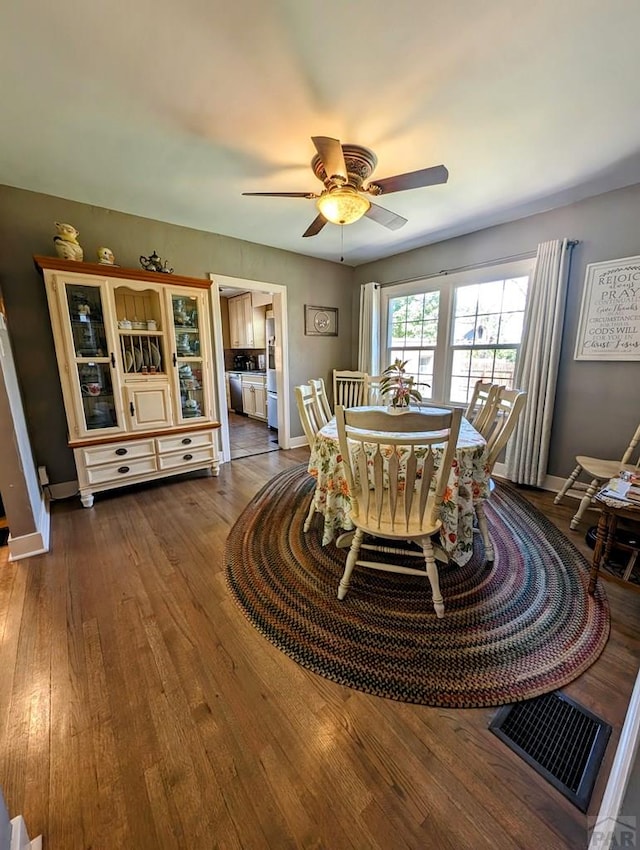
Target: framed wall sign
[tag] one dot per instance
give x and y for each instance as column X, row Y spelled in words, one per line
column 320, row 321
column 609, row 327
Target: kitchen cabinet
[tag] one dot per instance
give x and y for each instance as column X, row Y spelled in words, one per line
column 254, row 396
column 246, row 322
column 134, row 356
column 237, row 333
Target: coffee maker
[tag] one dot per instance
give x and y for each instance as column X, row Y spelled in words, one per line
column 240, row 362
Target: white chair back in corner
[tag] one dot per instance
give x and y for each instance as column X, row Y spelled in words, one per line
column 321, row 399
column 307, row 412
column 311, row 423
column 507, row 409
column 599, row 471
column 481, row 409
column 348, row 388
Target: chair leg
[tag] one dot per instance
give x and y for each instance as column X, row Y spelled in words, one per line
column 630, row 565
column 489, row 554
column 568, row 484
column 585, row 502
column 352, row 557
column 312, row 510
column 434, row 578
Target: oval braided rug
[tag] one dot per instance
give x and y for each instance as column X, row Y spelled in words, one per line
column 511, row 631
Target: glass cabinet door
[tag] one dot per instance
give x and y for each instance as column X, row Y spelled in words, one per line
column 92, row 363
column 189, row 325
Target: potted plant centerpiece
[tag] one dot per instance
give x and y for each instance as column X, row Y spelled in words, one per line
column 398, row 387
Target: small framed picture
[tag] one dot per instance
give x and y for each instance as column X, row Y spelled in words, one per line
column 320, row 321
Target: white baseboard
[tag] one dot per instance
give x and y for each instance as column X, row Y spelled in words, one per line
column 298, row 442
column 500, row 470
column 551, row 482
column 36, row 543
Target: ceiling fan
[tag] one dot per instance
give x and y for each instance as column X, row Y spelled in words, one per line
column 343, row 169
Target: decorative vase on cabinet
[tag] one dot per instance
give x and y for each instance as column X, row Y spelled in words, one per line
column 135, row 364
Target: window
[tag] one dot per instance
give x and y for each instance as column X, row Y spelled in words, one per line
column 413, row 323
column 455, row 329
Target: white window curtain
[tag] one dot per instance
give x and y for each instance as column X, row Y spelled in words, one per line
column 537, row 370
column 369, row 333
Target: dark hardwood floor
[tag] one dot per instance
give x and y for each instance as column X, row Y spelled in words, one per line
column 248, row 437
column 139, row 708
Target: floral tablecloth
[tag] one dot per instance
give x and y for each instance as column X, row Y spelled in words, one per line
column 468, row 484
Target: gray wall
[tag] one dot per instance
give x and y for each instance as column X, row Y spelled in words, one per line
column 27, row 228
column 597, row 403
column 597, row 408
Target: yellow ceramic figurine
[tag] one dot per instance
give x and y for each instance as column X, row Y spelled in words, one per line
column 66, row 242
column 105, row 256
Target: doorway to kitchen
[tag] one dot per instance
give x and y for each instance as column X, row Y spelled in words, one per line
column 248, row 437
column 251, row 366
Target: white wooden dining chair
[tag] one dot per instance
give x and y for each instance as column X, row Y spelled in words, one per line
column 319, row 391
column 599, row 471
column 507, row 409
column 311, row 424
column 394, row 494
column 372, row 394
column 348, row 388
column 481, row 409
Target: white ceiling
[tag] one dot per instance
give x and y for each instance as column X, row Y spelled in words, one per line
column 170, row 110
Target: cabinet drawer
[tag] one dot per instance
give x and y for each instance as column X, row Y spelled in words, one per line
column 186, row 458
column 254, row 381
column 116, row 452
column 184, row 441
column 121, row 471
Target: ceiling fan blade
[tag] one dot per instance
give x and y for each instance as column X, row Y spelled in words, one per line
column 385, row 217
column 330, row 152
column 411, row 180
column 309, row 195
column 316, row 226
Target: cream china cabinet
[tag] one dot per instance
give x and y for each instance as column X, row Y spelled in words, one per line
column 136, row 368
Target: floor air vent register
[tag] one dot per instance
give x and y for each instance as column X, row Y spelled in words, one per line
column 559, row 739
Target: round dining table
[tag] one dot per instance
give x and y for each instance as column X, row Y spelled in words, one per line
column 468, row 484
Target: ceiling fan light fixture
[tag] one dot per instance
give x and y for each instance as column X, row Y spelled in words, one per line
column 342, row 206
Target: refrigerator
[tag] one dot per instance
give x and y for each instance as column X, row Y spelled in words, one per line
column 272, row 410
column 271, row 354
column 272, row 395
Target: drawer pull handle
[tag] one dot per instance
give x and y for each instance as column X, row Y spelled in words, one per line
column 123, row 469
column 187, row 457
column 186, row 441
column 121, row 451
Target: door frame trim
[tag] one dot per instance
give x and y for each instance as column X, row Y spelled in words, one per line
column 279, row 292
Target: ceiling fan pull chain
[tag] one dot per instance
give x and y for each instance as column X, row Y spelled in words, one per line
column 342, row 243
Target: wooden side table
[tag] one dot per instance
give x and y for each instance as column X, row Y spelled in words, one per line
column 611, row 511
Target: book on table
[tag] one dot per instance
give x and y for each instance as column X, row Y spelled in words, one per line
column 623, row 490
